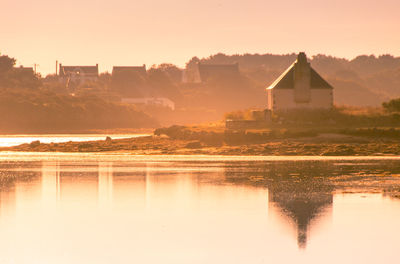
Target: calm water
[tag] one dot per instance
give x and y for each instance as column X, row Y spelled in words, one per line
column 15, row 140
column 77, row 208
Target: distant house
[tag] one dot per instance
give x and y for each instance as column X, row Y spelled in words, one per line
column 141, row 70
column 78, row 74
column 24, row 70
column 204, row 72
column 300, row 86
column 150, row 101
column 129, row 81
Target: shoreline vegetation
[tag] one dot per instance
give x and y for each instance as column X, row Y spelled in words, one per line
column 31, row 103
column 40, row 112
column 215, row 140
column 334, row 132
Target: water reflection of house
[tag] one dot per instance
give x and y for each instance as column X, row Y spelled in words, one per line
column 105, row 182
column 129, row 185
column 95, row 183
column 300, row 190
column 301, row 206
column 50, row 182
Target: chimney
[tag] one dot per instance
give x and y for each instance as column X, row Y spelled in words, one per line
column 302, row 58
column 302, row 79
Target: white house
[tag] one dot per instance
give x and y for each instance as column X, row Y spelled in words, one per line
column 300, row 86
column 78, row 74
column 150, row 101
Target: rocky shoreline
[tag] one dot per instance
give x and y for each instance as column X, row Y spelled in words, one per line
column 313, row 146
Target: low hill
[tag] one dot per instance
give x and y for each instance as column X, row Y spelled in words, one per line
column 26, row 111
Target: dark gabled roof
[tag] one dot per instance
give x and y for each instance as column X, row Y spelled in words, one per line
column 286, row 80
column 130, row 69
column 22, row 69
column 317, row 81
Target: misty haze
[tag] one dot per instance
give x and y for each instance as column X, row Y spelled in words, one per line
column 199, row 132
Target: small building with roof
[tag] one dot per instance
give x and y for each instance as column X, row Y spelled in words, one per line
column 140, row 70
column 202, row 73
column 299, row 87
column 130, row 81
column 24, row 70
column 78, row 74
column 208, row 71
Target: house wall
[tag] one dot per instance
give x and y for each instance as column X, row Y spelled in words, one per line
column 81, row 78
column 269, row 99
column 284, row 99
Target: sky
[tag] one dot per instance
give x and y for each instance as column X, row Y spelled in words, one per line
column 131, row 32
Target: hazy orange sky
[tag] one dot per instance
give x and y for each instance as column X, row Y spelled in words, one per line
column 129, row 32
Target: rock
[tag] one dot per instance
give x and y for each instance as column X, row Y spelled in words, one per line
column 194, row 145
column 34, row 144
column 84, row 146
